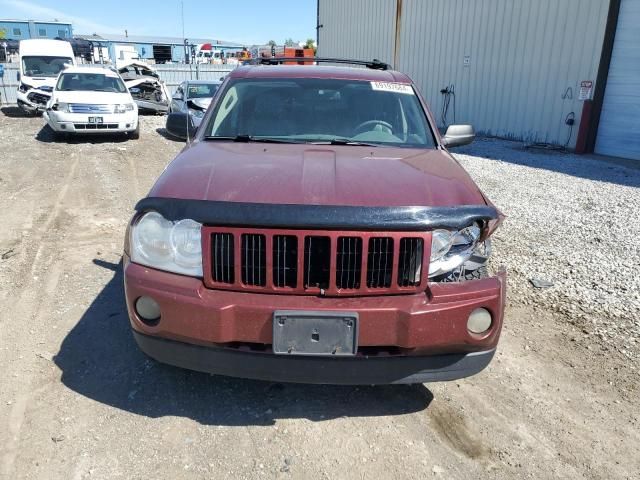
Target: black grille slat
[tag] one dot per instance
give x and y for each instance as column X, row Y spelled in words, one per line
column 254, row 263
column 348, row 262
column 380, row 262
column 317, row 262
column 222, row 253
column 95, row 126
column 410, row 262
column 285, row 261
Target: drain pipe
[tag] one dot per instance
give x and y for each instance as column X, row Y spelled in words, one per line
column 398, row 26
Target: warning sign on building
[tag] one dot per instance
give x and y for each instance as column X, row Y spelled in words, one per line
column 586, row 88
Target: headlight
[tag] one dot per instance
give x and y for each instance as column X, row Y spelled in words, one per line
column 165, row 245
column 24, row 87
column 60, row 107
column 449, row 250
column 196, row 112
column 123, row 107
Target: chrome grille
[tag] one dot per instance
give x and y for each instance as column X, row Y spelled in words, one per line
column 222, row 257
column 348, row 262
column 380, row 262
column 285, row 261
column 410, row 262
column 89, row 108
column 254, row 266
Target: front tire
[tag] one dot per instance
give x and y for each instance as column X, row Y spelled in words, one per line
column 135, row 135
column 58, row 136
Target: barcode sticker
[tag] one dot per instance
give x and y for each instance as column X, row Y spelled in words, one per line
column 392, row 87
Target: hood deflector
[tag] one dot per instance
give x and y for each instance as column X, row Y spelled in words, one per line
column 329, row 217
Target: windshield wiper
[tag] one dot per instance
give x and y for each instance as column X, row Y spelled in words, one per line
column 345, row 141
column 249, row 138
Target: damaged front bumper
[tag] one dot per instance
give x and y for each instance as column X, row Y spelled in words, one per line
column 150, row 94
column 401, row 339
column 33, row 100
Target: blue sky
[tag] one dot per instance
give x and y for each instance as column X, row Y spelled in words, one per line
column 244, row 21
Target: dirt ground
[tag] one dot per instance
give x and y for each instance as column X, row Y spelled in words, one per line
column 79, row 400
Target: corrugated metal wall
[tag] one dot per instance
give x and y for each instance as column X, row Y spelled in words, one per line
column 9, row 83
column 523, row 56
column 619, row 128
column 359, row 29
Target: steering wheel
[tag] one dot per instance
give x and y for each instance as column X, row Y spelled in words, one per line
column 363, row 126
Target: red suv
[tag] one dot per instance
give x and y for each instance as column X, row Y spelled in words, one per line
column 316, row 229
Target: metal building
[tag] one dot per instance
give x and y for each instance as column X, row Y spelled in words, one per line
column 26, row 29
column 518, row 69
column 156, row 48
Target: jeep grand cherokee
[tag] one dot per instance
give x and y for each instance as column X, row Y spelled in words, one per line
column 316, row 230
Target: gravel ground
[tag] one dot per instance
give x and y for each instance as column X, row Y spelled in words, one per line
column 570, row 220
column 78, row 400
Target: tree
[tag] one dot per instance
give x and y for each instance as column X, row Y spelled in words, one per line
column 272, row 43
column 311, row 43
column 290, row 43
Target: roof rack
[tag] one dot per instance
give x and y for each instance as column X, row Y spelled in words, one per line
column 374, row 64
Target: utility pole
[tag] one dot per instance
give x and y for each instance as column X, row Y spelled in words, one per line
column 184, row 40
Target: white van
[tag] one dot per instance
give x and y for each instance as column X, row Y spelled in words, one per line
column 40, row 63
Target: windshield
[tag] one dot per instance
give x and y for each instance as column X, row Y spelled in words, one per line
column 44, row 66
column 95, row 82
column 321, row 111
column 200, row 90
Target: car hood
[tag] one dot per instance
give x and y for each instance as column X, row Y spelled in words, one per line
column 94, row 98
column 38, row 82
column 134, row 82
column 317, row 175
column 203, row 103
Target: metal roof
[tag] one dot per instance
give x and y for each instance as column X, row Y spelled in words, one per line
column 111, row 37
column 53, row 22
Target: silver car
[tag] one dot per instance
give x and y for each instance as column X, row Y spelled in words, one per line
column 193, row 97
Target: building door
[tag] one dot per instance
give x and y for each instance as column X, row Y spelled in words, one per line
column 619, row 129
column 162, row 53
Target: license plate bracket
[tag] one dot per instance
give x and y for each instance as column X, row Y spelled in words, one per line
column 317, row 333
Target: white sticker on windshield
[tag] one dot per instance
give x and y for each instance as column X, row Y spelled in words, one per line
column 392, row 87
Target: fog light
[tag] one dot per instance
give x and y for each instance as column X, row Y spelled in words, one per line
column 63, row 127
column 479, row 321
column 148, row 309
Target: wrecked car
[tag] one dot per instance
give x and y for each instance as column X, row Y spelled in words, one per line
column 316, row 230
column 40, row 63
column 148, row 91
column 192, row 97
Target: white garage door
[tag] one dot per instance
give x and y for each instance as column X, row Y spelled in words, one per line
column 619, row 129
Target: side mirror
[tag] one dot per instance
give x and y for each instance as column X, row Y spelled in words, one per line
column 458, row 135
column 180, row 125
column 177, row 96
